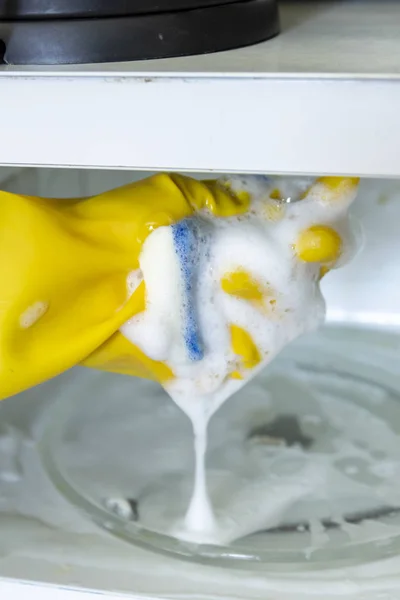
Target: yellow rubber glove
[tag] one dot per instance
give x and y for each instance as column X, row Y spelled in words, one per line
column 63, row 273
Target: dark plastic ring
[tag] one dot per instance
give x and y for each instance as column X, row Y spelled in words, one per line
column 150, row 36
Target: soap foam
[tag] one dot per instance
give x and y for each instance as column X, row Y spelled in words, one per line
column 32, row 314
column 188, row 316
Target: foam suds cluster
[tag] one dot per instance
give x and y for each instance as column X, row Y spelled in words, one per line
column 225, row 294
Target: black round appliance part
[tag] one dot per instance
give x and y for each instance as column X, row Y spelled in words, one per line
column 54, row 9
column 150, row 36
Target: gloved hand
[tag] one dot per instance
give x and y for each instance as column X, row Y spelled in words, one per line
column 65, row 270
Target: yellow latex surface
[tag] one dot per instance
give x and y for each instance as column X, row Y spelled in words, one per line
column 63, row 272
column 318, row 244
